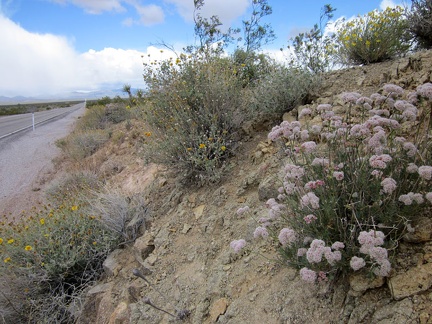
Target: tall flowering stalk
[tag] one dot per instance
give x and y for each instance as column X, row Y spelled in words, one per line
column 351, row 185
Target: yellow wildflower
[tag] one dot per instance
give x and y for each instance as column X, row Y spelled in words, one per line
column 10, row 241
column 1, row 240
column 189, row 149
column 42, row 221
column 94, row 243
column 148, row 134
column 223, row 148
column 201, row 146
column 28, row 248
column 7, row 260
column 74, row 207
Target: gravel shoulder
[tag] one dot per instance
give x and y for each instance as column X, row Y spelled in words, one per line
column 26, row 163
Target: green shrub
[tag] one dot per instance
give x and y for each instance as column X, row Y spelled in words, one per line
column 420, row 22
column 82, row 144
column 73, row 185
column 284, row 88
column 352, row 185
column 375, row 37
column 47, row 260
column 195, row 110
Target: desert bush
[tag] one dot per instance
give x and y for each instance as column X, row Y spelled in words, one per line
column 102, row 117
column 120, row 214
column 420, row 22
column 377, row 36
column 284, row 88
column 314, row 50
column 74, row 184
column 82, row 144
column 47, row 260
column 194, row 109
column 352, row 185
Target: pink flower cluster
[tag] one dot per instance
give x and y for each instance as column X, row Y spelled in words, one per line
column 389, row 185
column 293, row 172
column 310, row 200
column 371, row 245
column 260, row 231
column 309, row 218
column 237, row 245
column 308, row 275
column 350, row 97
column 338, row 175
column 308, row 147
column 425, row 172
column 242, row 210
column 425, row 90
column 393, row 90
column 357, row 263
column 310, row 185
column 285, row 129
column 287, row 236
column 379, row 161
column 411, row 197
column 274, row 208
column 318, row 249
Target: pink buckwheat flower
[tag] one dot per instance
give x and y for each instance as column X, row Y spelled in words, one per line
column 412, row 168
column 405, row 199
column 384, row 269
column 338, row 175
column 293, row 171
column 377, row 173
column 305, row 112
column 260, row 232
column 321, row 161
column 428, row 196
column 350, row 97
column 379, row 161
column 324, row 107
column 425, row 90
column 301, row 252
column 393, row 90
column 308, row 147
column 425, row 172
column 287, row 236
column 357, row 263
column 372, row 237
column 237, row 245
column 309, row 218
column 338, row 246
column 410, row 148
column 315, row 252
column 389, row 185
column 332, row 256
column 310, row 200
column 308, row 275
column 242, row 210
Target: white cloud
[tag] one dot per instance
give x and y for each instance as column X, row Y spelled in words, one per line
column 226, row 10
column 95, row 6
column 389, row 3
column 150, row 15
column 45, row 64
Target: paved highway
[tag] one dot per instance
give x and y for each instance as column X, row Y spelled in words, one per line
column 15, row 123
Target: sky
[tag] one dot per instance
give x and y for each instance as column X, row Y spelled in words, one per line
column 53, row 47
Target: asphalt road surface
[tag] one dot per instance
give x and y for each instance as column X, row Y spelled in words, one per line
column 26, row 160
column 16, row 123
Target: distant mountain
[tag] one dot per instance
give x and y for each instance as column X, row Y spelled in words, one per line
column 74, row 95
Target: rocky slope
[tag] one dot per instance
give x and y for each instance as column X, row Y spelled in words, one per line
column 184, row 250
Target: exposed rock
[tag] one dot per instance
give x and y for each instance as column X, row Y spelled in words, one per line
column 120, row 315
column 111, row 265
column 268, row 188
column 218, row 308
column 198, row 211
column 399, row 312
column 359, row 283
column 414, row 281
column 422, row 231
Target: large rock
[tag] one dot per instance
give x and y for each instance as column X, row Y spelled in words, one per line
column 414, row 281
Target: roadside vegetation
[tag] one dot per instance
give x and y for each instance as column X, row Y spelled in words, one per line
column 327, row 220
column 16, row 109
